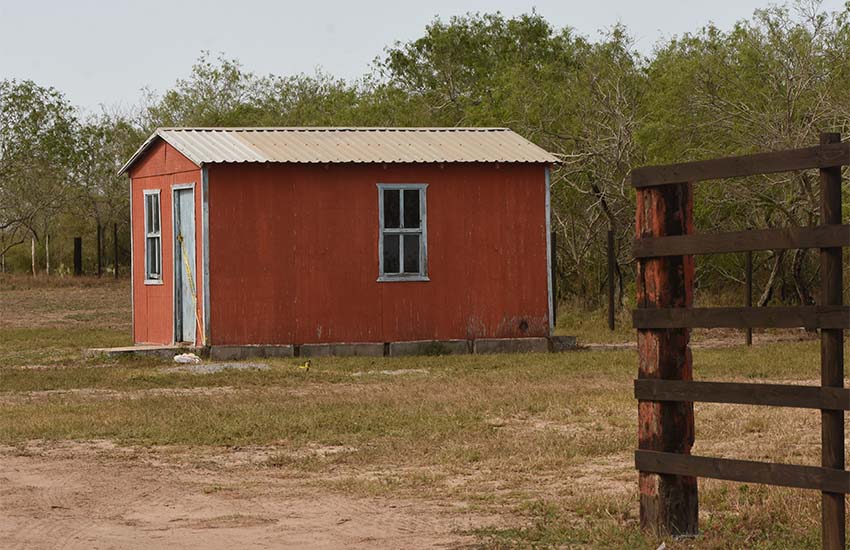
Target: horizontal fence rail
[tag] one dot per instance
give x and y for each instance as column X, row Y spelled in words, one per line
column 775, row 395
column 810, row 317
column 746, row 471
column 821, row 156
column 787, row 238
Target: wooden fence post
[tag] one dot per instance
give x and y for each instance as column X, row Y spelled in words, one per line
column 749, row 291
column 611, row 261
column 832, row 355
column 115, row 248
column 668, row 503
column 32, row 255
column 554, row 275
column 78, row 256
column 99, row 250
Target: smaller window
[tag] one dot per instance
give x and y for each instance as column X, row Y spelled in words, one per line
column 403, row 241
column 153, row 237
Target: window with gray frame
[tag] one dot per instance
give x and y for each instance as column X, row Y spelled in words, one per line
column 153, row 237
column 403, row 242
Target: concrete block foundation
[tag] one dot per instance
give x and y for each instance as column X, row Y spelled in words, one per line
column 342, row 350
column 511, row 345
column 554, row 344
column 430, row 347
column 235, row 353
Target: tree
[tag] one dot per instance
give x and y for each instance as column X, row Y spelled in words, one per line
column 105, row 142
column 37, row 144
column 223, row 93
column 575, row 98
column 772, row 82
column 219, row 93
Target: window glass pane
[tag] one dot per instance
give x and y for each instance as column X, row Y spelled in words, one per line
column 152, row 211
column 151, row 250
column 391, row 213
column 411, row 208
column 391, row 259
column 155, row 210
column 411, row 253
column 158, row 257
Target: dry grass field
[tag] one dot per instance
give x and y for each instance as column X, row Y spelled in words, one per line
column 507, row 451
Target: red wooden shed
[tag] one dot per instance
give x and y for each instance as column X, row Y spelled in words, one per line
column 298, row 236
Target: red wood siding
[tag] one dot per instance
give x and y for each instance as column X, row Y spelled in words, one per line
column 162, row 167
column 294, row 254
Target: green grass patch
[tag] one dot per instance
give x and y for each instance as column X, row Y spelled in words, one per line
column 51, row 346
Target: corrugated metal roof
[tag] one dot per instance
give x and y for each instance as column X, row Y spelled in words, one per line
column 360, row 145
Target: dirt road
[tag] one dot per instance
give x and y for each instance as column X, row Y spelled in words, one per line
column 94, row 495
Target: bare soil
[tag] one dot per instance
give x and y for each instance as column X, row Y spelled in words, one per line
column 95, row 495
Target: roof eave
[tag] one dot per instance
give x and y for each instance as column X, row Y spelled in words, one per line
column 163, row 133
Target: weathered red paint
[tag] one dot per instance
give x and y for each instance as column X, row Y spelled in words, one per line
column 294, row 254
column 160, row 168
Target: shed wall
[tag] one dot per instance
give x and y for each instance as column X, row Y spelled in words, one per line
column 294, row 254
column 153, row 313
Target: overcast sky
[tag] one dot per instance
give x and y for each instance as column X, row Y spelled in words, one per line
column 104, row 52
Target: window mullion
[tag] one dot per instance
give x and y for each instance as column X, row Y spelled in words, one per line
column 401, row 220
column 400, row 254
column 421, row 263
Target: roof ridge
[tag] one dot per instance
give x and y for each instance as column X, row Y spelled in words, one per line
column 332, row 129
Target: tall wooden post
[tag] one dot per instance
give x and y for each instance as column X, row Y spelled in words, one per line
column 99, row 250
column 47, row 253
column 668, row 503
column 611, row 261
column 78, row 256
column 32, row 255
column 832, row 354
column 749, row 292
column 554, row 275
column 115, row 248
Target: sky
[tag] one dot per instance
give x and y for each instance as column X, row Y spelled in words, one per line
column 105, row 52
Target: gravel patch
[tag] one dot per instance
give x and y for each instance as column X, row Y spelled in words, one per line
column 209, row 368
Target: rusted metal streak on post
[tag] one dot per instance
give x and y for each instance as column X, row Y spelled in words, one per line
column 668, row 503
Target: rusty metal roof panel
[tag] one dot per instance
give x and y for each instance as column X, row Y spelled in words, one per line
column 341, row 145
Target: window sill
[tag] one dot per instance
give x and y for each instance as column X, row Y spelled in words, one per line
column 153, row 282
column 402, row 278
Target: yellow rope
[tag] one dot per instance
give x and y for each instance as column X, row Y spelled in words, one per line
column 188, row 267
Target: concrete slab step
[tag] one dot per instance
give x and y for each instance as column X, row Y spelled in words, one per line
column 165, row 352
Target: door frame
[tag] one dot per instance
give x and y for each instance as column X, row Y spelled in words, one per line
column 177, row 256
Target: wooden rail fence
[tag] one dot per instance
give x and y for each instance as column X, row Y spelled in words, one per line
column 664, row 249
